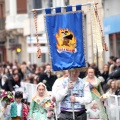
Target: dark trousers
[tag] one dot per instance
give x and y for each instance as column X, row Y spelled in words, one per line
column 64, row 115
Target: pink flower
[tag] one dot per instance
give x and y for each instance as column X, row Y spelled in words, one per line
column 6, row 96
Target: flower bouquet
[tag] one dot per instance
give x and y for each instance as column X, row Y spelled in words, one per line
column 48, row 105
column 6, row 97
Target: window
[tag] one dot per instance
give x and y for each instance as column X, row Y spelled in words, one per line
column 1, row 56
column 1, row 10
column 43, row 58
column 66, row 2
column 21, row 6
column 37, row 4
column 2, row 19
column 47, row 3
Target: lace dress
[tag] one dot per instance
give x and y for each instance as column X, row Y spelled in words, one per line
column 37, row 112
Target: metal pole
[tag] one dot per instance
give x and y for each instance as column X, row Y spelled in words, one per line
column 89, row 3
column 72, row 104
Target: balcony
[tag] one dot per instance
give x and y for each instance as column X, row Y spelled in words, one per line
column 2, row 23
column 15, row 22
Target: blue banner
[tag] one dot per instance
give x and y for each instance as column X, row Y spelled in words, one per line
column 65, row 37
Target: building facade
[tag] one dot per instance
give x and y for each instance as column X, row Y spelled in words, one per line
column 3, row 56
column 112, row 27
column 16, row 13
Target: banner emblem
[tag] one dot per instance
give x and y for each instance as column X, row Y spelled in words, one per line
column 66, row 41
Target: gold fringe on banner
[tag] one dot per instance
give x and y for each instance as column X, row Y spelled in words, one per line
column 101, row 58
column 97, row 40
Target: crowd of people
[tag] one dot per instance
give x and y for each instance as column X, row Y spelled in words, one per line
column 75, row 94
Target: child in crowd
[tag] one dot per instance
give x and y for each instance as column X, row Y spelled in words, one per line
column 19, row 110
column 93, row 112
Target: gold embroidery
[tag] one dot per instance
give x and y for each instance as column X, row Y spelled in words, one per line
column 95, row 91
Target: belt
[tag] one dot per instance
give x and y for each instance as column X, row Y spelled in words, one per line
column 78, row 113
column 94, row 119
column 16, row 117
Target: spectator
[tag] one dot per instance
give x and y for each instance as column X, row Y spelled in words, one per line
column 113, row 65
column 3, row 81
column 37, row 71
column 105, row 75
column 117, row 92
column 117, row 63
column 6, row 72
column 115, row 74
column 48, row 78
column 13, row 82
column 110, row 60
column 111, row 90
column 35, row 79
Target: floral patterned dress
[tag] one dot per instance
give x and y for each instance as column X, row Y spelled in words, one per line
column 97, row 92
column 38, row 111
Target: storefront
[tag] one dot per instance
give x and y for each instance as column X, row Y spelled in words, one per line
column 112, row 34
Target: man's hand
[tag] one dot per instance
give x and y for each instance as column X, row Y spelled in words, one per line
column 72, row 99
column 70, row 85
column 13, row 92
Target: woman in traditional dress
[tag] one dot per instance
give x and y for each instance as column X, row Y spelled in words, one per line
column 96, row 91
column 41, row 107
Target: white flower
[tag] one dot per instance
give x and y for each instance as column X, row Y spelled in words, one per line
column 44, row 81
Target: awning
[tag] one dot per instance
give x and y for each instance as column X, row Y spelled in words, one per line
column 112, row 24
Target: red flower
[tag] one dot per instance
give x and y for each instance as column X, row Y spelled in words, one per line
column 6, row 96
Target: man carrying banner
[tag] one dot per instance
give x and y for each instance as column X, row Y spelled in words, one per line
column 66, row 45
column 65, row 34
column 73, row 94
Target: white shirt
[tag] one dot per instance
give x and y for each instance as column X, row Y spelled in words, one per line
column 19, row 109
column 62, row 92
column 56, row 85
column 54, row 92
